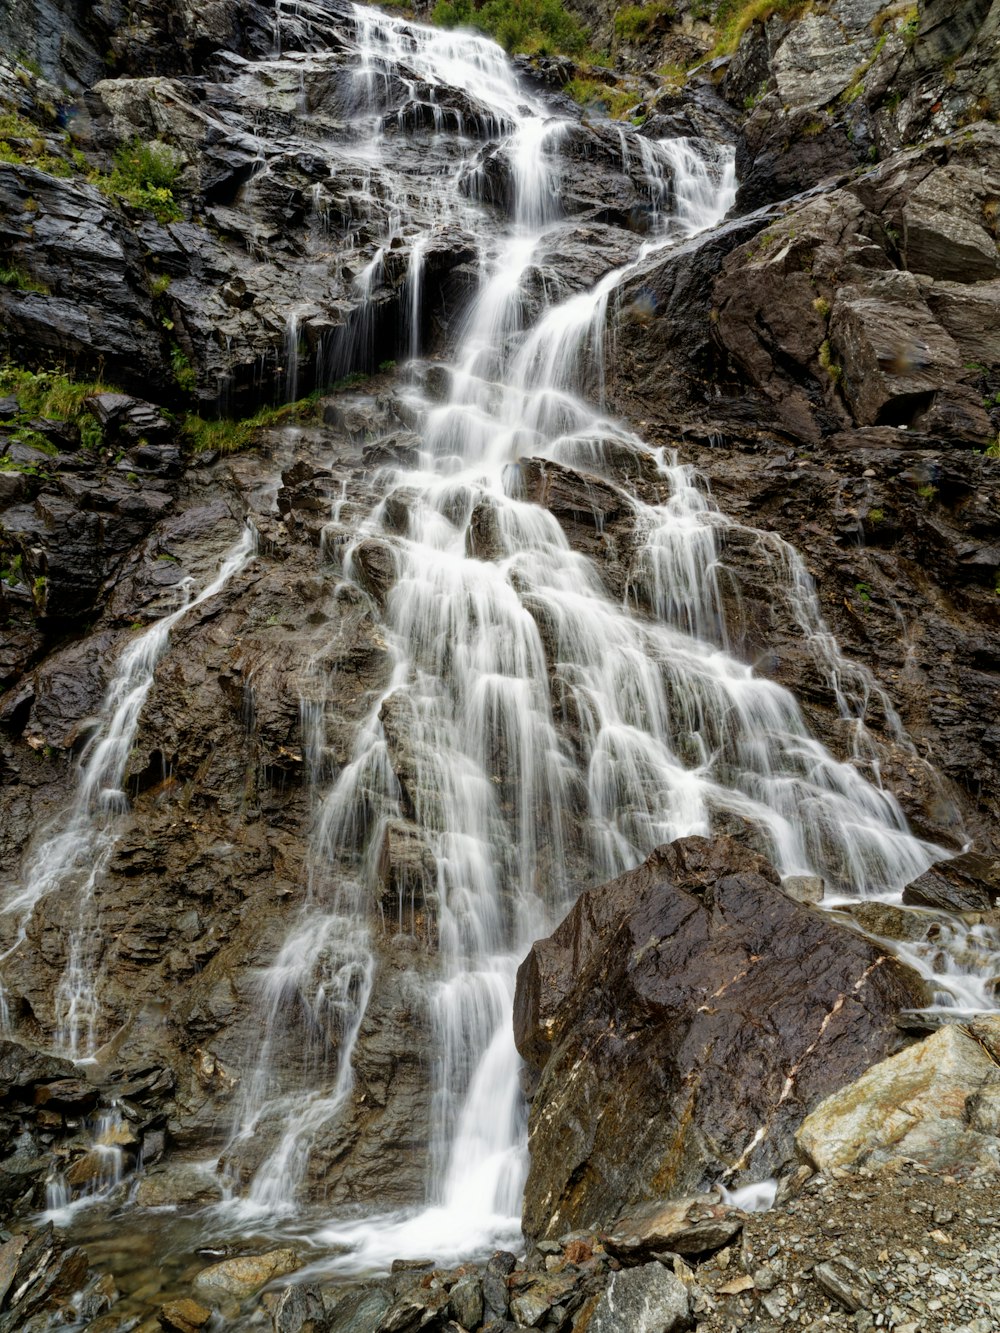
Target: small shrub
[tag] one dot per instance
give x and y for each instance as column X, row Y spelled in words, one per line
column 13, row 574
column 21, row 281
column 185, row 376
column 598, row 97
column 822, row 306
column 827, row 362
column 144, row 175
column 542, row 27
column 633, row 23
column 228, row 436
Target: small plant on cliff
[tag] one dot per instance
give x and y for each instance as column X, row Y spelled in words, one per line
column 185, row 375
column 229, row 436
column 601, row 98
column 910, row 30
column 23, row 282
column 733, row 17
column 54, row 395
column 23, row 143
column 13, row 574
column 541, row 27
column 144, row 176
column 827, row 362
column 633, row 23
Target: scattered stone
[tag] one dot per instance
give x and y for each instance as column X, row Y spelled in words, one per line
column 242, row 1276
column 465, row 1301
column 696, row 1225
column 184, row 1316
column 841, row 1280
column 803, row 888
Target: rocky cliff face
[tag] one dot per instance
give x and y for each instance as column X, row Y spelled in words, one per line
column 217, row 929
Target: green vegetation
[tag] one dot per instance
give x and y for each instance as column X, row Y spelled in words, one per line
column 532, row 27
column 29, row 63
column 822, row 306
column 602, row 98
column 54, row 395
column 733, row 17
column 185, row 375
column 229, row 436
column 22, row 145
column 24, row 282
column 634, row 23
column 927, row 492
column 876, row 516
column 911, row 26
column 13, row 574
column 144, row 175
column 754, row 99
column 993, row 450
column 864, row 593
column 827, row 362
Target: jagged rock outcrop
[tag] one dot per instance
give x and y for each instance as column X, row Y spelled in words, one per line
column 679, row 1023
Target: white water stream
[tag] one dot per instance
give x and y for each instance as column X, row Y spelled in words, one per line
column 73, row 854
column 494, row 656
column 537, row 733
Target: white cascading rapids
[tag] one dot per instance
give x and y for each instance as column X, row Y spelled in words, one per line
column 553, row 734
column 491, row 654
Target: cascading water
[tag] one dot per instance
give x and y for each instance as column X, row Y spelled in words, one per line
column 551, row 734
column 537, row 732
column 74, row 854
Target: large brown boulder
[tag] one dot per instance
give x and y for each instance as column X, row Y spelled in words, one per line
column 681, row 1021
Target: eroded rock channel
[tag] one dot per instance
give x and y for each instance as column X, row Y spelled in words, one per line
column 499, row 664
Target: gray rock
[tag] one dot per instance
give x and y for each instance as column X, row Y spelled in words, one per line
column 842, row 1281
column 465, row 1301
column 898, row 364
column 244, row 1275
column 496, row 1297
column 649, row 1299
column 968, row 883
column 686, row 1226
column 803, row 888
column 814, row 63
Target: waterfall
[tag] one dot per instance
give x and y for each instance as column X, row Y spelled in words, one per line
column 74, row 853
column 537, row 732
column 551, row 709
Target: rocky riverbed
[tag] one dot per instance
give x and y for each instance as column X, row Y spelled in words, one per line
column 459, row 588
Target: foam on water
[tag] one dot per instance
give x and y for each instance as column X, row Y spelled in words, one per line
column 492, row 653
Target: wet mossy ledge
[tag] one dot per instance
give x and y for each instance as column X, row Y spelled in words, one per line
column 30, row 400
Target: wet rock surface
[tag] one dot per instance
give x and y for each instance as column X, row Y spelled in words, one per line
column 662, row 1020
